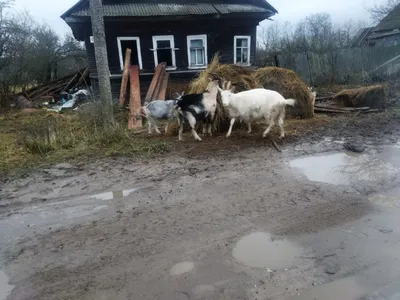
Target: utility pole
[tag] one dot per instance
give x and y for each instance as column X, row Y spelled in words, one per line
column 100, row 49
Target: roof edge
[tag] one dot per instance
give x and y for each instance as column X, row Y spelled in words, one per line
column 75, row 6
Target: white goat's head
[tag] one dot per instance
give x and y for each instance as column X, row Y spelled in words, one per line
column 226, row 95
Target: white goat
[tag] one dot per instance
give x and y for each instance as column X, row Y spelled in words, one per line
column 254, row 105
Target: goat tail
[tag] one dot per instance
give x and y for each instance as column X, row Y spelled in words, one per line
column 290, row 102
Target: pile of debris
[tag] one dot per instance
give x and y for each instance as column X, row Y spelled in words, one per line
column 54, row 91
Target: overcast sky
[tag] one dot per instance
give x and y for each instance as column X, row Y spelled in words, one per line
column 289, row 10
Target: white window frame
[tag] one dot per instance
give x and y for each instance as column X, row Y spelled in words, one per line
column 235, row 38
column 197, row 37
column 122, row 55
column 169, row 38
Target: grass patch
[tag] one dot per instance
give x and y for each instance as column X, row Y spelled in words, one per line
column 30, row 140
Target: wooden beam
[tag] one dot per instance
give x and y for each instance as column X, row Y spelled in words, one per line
column 135, row 119
column 153, row 85
column 71, row 82
column 330, row 110
column 125, row 77
column 85, row 75
column 344, row 108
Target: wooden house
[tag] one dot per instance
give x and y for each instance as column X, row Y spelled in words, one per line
column 183, row 33
column 385, row 34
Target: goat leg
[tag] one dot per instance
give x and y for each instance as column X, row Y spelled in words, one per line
column 230, row 127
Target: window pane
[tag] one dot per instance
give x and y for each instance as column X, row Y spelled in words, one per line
column 238, row 55
column 196, row 43
column 245, row 56
column 200, row 57
column 165, row 56
column 192, row 57
column 242, row 42
column 163, row 44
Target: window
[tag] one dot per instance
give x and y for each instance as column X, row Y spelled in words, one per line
column 164, row 50
column 197, row 51
column 241, row 50
column 132, row 43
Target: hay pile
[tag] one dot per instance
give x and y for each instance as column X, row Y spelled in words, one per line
column 375, row 96
column 281, row 80
column 290, row 86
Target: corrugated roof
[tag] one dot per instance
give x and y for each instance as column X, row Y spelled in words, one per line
column 391, row 21
column 151, row 9
column 360, row 36
column 239, row 8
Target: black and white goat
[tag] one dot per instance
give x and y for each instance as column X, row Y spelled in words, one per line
column 198, row 108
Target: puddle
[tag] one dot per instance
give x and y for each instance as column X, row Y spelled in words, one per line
column 5, row 288
column 348, row 167
column 182, row 268
column 391, row 155
column 113, row 195
column 258, row 250
column 344, row 289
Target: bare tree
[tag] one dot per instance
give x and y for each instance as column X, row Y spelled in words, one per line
column 379, row 11
column 100, row 47
column 29, row 52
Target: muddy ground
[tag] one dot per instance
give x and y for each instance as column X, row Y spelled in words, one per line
column 222, row 219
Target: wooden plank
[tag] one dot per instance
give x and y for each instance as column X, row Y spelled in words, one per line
column 135, row 119
column 342, row 107
column 83, row 78
column 330, row 110
column 162, row 87
column 125, row 77
column 71, row 82
column 150, row 93
column 372, row 110
column 323, row 98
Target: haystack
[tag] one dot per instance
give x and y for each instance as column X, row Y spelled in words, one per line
column 375, row 96
column 290, row 86
column 241, row 77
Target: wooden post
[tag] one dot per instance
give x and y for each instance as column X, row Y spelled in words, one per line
column 135, row 119
column 125, row 77
column 103, row 71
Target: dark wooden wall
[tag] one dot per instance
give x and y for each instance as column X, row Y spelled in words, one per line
column 220, row 38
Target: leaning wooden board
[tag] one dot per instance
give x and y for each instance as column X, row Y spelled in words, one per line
column 135, row 119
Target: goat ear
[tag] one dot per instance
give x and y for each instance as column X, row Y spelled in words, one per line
column 220, row 90
column 232, row 89
column 210, row 79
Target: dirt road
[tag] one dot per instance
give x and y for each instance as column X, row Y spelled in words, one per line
column 239, row 222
